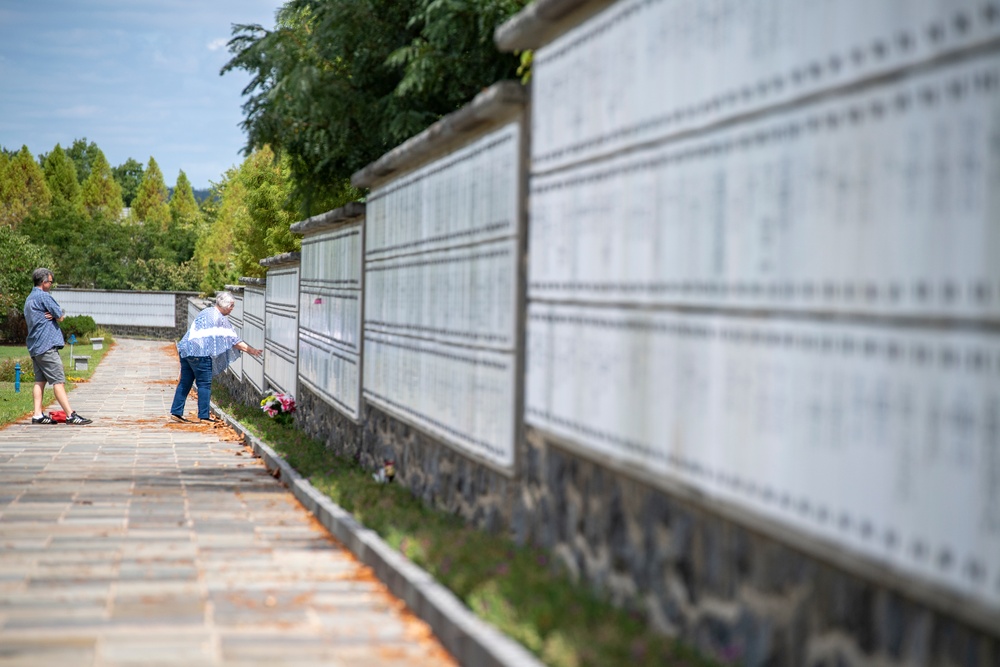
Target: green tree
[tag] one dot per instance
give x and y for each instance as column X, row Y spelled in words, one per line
column 21, row 257
column 83, row 154
column 183, row 206
column 129, row 176
column 150, row 203
column 214, row 254
column 185, row 222
column 161, row 275
column 23, row 191
column 60, row 176
column 101, row 192
column 337, row 83
column 66, row 232
column 260, row 225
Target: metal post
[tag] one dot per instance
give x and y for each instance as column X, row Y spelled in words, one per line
column 17, row 377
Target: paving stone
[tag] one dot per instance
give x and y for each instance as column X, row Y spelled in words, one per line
column 137, row 541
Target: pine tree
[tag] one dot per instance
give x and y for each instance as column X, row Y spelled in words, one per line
column 101, row 193
column 214, row 253
column 23, row 191
column 150, row 204
column 83, row 153
column 263, row 231
column 60, row 176
column 129, row 176
column 183, row 206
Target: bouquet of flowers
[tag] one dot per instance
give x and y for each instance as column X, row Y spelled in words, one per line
column 278, row 407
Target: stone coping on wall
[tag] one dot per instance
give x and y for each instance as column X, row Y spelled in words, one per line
column 253, row 282
column 234, row 288
column 491, row 106
column 61, row 288
column 541, row 21
column 323, row 221
column 280, row 260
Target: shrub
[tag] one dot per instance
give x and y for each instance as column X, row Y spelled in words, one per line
column 7, row 370
column 79, row 326
column 13, row 328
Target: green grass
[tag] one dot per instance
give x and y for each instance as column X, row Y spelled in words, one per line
column 17, row 405
column 516, row 588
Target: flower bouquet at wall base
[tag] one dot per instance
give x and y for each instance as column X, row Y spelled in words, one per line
column 278, row 407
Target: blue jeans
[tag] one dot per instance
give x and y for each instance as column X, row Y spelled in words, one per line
column 194, row 370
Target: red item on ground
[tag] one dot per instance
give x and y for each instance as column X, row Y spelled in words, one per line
column 58, row 416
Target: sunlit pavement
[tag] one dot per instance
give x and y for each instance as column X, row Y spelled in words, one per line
column 137, row 541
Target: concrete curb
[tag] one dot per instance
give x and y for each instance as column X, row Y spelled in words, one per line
column 468, row 638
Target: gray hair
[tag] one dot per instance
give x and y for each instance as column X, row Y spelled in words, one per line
column 224, row 299
column 40, row 275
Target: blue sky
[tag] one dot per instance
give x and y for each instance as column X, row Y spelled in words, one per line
column 139, row 78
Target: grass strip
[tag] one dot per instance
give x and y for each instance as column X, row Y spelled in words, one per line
column 516, row 588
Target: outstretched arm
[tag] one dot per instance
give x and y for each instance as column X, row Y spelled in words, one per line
column 243, row 347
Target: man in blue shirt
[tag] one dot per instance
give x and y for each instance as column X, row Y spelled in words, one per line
column 42, row 315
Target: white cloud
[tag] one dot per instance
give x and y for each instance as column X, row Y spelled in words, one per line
column 217, row 44
column 79, row 111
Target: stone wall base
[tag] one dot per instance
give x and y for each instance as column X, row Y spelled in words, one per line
column 242, row 392
column 732, row 592
column 324, row 422
column 436, row 473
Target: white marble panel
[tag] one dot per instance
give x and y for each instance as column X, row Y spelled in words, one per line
column 468, row 196
column 643, row 70
column 463, row 396
column 466, row 295
column 330, row 372
column 881, row 201
column 883, row 439
column 141, row 309
column 283, row 286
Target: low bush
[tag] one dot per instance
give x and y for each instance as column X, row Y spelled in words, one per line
column 79, row 326
column 13, row 328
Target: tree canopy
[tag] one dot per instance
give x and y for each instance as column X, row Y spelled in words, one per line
column 101, row 192
column 129, row 176
column 83, row 153
column 334, row 85
column 183, row 207
column 60, row 176
column 338, row 83
column 150, row 204
column 23, row 191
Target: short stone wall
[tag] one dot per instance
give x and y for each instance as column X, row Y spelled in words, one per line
column 732, row 592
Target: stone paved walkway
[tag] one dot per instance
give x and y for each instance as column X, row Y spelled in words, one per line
column 135, row 541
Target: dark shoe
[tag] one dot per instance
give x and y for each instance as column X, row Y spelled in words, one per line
column 77, row 420
column 44, row 419
column 178, row 418
column 210, row 420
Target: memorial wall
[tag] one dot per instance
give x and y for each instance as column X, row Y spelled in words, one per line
column 253, row 330
column 330, row 300
column 281, row 332
column 236, row 319
column 441, row 314
column 763, row 267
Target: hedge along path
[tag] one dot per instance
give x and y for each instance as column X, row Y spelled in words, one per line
column 137, row 539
